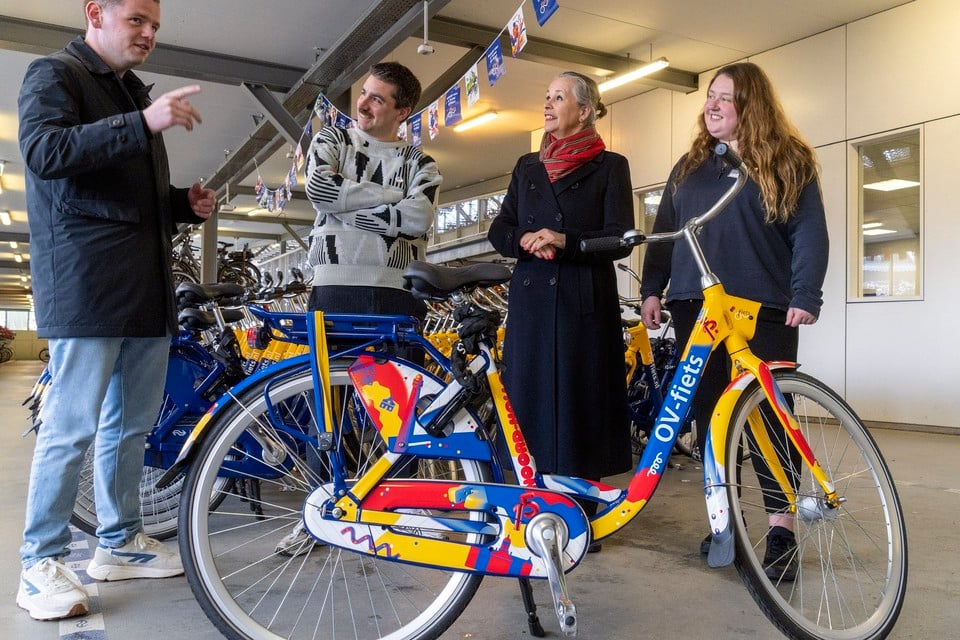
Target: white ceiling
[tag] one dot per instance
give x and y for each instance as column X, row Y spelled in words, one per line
column 695, row 35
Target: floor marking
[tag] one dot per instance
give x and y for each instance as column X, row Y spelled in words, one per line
column 90, row 626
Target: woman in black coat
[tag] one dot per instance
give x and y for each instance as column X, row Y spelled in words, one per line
column 564, row 348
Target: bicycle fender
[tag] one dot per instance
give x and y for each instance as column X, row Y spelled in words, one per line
column 221, row 404
column 722, row 548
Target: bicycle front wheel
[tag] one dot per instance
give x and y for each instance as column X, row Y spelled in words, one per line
column 846, row 574
column 251, row 573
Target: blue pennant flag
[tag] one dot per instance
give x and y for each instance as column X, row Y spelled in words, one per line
column 415, row 136
column 451, row 111
column 495, row 67
column 544, row 9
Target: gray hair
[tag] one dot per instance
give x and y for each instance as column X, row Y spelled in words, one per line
column 587, row 94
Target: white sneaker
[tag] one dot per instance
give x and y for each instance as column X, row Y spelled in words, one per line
column 50, row 591
column 297, row 542
column 142, row 557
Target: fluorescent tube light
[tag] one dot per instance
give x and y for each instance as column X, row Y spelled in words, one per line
column 645, row 70
column 891, row 185
column 476, row 121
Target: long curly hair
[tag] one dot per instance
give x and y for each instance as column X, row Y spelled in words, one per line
column 778, row 158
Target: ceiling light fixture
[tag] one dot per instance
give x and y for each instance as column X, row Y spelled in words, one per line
column 5, row 218
column 13, row 244
column 651, row 67
column 891, row 185
column 476, row 121
column 878, row 232
column 3, row 164
column 18, row 257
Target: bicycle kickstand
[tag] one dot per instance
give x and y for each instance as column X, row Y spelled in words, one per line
column 526, row 592
column 546, row 536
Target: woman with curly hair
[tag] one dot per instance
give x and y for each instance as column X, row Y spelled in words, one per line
column 769, row 245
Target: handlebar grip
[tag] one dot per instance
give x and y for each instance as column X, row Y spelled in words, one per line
column 608, row 243
column 724, row 151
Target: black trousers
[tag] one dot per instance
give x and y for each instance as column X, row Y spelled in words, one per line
column 773, row 340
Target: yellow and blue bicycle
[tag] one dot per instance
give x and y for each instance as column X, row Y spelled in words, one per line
column 385, row 493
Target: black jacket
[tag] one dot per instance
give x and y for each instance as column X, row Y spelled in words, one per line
column 564, row 343
column 101, row 209
column 780, row 265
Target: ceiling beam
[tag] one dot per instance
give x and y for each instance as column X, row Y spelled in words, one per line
column 231, row 232
column 449, row 78
column 381, row 30
column 42, row 39
column 13, row 265
column 243, row 190
column 10, row 236
column 589, row 61
column 278, row 218
column 278, row 115
column 293, row 234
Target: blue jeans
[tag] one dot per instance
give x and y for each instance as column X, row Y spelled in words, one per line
column 106, row 392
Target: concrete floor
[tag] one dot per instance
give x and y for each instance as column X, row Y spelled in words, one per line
column 648, row 582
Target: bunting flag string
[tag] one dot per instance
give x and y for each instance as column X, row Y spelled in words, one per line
column 328, row 115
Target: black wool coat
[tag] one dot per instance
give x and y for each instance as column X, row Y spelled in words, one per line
column 563, row 348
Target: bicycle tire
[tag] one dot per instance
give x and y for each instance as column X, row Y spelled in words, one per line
column 6, row 353
column 250, row 591
column 159, row 508
column 851, row 565
column 44, row 355
column 183, row 274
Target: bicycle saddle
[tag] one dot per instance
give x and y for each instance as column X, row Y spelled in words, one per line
column 191, row 293
column 199, row 319
column 430, row 281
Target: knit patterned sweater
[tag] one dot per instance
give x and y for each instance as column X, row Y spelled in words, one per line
column 374, row 202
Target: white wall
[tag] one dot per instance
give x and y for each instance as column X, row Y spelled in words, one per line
column 894, row 361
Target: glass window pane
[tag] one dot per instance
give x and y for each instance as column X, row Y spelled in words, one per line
column 18, row 320
column 890, row 221
column 646, row 205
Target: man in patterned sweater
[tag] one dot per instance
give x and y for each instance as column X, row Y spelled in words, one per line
column 375, row 200
column 374, row 195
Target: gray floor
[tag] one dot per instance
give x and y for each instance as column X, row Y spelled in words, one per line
column 649, row 582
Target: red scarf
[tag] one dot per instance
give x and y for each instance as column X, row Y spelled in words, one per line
column 564, row 155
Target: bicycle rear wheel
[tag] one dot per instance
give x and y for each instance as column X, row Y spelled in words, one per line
column 850, row 562
column 246, row 587
column 159, row 507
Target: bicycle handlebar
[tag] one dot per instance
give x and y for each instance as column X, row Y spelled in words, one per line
column 606, row 243
column 688, row 231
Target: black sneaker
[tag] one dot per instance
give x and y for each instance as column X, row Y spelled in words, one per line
column 781, row 560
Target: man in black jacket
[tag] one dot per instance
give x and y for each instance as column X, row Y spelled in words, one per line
column 102, row 214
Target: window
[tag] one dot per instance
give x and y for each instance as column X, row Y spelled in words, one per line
column 887, row 235
column 646, row 202
column 17, row 320
column 465, row 218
